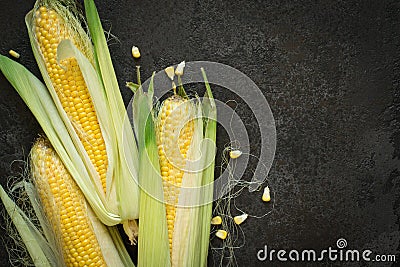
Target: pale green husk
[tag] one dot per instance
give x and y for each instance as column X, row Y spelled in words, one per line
column 41, row 252
column 153, row 246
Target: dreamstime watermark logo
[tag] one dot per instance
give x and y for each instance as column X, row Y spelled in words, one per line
column 242, row 86
column 338, row 253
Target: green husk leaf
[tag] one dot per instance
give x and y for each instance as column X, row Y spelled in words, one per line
column 133, row 86
column 210, row 113
column 39, row 250
column 126, row 145
column 153, row 247
column 181, row 91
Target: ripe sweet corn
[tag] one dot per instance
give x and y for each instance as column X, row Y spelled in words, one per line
column 65, row 208
column 50, row 29
column 174, row 135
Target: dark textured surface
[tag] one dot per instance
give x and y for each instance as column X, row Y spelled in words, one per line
column 330, row 72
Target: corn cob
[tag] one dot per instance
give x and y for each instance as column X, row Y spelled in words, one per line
column 174, row 135
column 65, row 207
column 67, row 79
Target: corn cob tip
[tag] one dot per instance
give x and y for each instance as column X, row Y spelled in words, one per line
column 131, row 229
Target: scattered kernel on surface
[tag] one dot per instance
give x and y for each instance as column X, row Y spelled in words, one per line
column 221, row 234
column 234, row 154
column 170, row 72
column 241, row 218
column 179, row 68
column 266, row 195
column 14, row 54
column 217, row 220
column 135, row 52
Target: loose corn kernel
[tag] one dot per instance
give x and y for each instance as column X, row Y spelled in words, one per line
column 170, row 72
column 240, row 219
column 174, row 135
column 69, row 84
column 135, row 52
column 14, row 54
column 234, row 154
column 64, row 206
column 217, row 220
column 221, row 234
column 266, row 197
column 179, row 69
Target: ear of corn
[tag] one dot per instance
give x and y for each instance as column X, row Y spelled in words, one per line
column 66, row 78
column 99, row 151
column 71, row 234
column 64, row 206
column 182, row 210
column 80, row 236
column 175, row 131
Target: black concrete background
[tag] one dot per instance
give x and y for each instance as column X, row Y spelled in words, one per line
column 330, row 72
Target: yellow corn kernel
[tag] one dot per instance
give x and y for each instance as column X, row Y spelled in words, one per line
column 221, row 234
column 234, row 154
column 217, row 220
column 240, row 219
column 174, row 135
column 266, row 197
column 65, row 208
column 68, row 82
column 14, row 54
column 170, row 72
column 135, row 52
